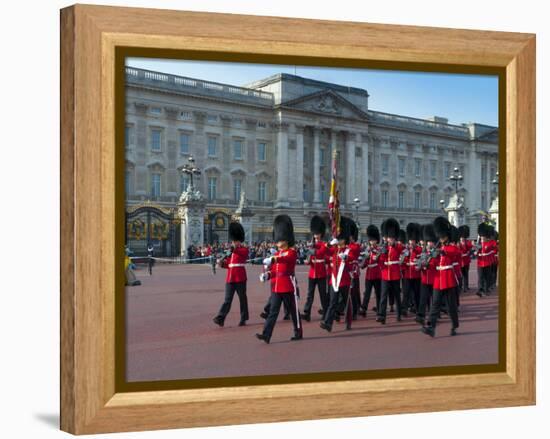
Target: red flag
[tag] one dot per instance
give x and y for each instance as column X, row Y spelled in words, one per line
column 333, row 201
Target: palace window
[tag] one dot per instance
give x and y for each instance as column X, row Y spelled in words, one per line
column 483, row 201
column 262, row 151
column 184, row 182
column 237, row 190
column 418, row 167
column 237, row 149
column 385, row 164
column 433, row 169
column 401, row 200
column 155, row 185
column 212, row 118
column 305, row 192
column 432, row 200
column 417, row 200
column 384, row 198
column 156, row 139
column 447, row 169
column 493, row 173
column 212, row 183
column 323, row 194
column 212, row 146
column 261, row 191
column 184, row 143
column 402, row 163
column 155, row 110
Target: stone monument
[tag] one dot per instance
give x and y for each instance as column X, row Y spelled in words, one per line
column 244, row 215
column 191, row 208
column 456, row 211
column 493, row 212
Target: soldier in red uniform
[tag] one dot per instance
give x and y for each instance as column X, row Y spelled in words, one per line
column 390, row 260
column 466, row 247
column 235, row 281
column 316, row 260
column 445, row 281
column 281, row 273
column 372, row 269
column 494, row 266
column 428, row 260
column 342, row 265
column 355, row 253
column 411, row 273
column 485, row 258
column 457, row 264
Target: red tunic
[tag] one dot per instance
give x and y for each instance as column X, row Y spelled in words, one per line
column 317, row 262
column 466, row 248
column 372, row 266
column 446, row 276
column 355, row 253
column 409, row 263
column 390, row 263
column 281, row 271
column 428, row 273
column 486, row 255
column 235, row 265
column 336, row 262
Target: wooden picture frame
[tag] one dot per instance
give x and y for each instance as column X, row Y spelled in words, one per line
column 90, row 38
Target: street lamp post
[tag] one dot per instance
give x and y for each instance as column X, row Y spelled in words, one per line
column 457, row 178
column 357, row 201
column 190, row 169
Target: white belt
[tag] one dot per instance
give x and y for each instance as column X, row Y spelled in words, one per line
column 411, row 263
column 486, row 254
column 464, row 255
column 236, row 265
column 444, row 267
column 372, row 265
column 318, row 261
column 455, row 263
column 392, row 262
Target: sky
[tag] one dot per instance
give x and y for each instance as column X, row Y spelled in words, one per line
column 461, row 98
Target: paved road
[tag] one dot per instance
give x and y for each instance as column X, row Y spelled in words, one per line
column 170, row 333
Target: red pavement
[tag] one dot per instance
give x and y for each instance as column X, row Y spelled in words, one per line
column 170, row 333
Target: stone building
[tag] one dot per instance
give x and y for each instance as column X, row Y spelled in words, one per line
column 273, row 139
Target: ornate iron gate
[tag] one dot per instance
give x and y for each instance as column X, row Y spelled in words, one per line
column 150, row 224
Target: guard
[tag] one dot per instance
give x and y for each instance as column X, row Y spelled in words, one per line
column 372, row 269
column 411, row 273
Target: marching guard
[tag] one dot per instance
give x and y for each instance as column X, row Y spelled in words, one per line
column 235, row 280
column 281, row 273
column 390, row 260
column 317, row 276
column 355, row 251
column 342, row 265
column 411, row 273
column 466, row 247
column 372, row 269
column 428, row 261
column 445, row 282
column 485, row 258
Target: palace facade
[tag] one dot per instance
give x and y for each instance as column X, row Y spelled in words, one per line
column 272, row 140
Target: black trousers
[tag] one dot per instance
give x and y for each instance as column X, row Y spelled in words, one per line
column 485, row 279
column 465, row 278
column 290, row 302
column 369, row 285
column 337, row 298
column 494, row 268
column 267, row 307
column 150, row 264
column 449, row 297
column 411, row 293
column 321, row 284
column 230, row 290
column 355, row 296
column 389, row 288
column 425, row 300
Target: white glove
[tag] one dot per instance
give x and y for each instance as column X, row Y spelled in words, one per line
column 267, row 261
column 342, row 256
column 333, row 242
column 263, row 277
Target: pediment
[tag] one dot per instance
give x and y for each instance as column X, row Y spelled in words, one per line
column 327, row 103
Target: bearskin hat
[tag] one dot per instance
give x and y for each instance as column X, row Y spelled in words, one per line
column 464, row 231
column 442, row 227
column 345, row 229
column 236, row 232
column 373, row 234
column 402, row 236
column 484, row 230
column 283, row 230
column 317, row 226
column 354, row 230
column 455, row 235
column 413, row 231
column 428, row 233
column 390, row 228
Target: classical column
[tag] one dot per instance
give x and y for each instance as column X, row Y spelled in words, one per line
column 299, row 162
column 365, row 168
column 282, row 162
column 474, row 181
column 316, row 166
column 350, row 167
